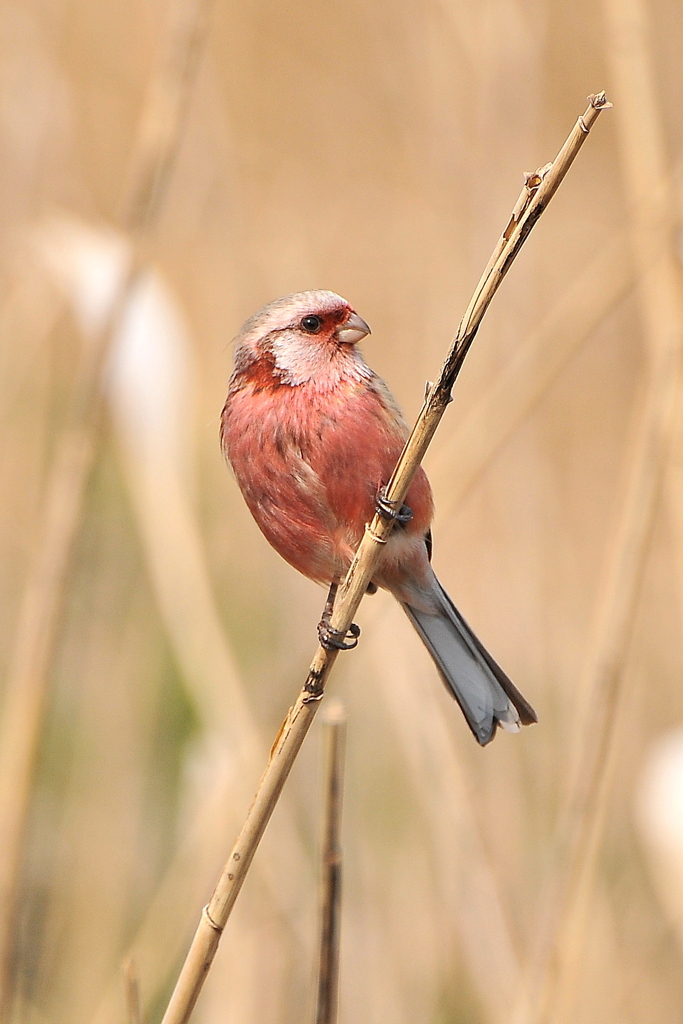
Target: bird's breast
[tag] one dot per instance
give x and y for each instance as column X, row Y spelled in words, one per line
column 322, row 458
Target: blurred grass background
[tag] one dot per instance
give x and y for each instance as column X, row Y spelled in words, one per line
column 374, row 149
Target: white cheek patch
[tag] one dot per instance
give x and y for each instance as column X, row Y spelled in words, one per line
column 300, row 359
column 296, row 358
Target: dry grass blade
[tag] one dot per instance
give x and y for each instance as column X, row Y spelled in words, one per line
column 555, row 975
column 535, row 197
column 330, row 904
column 39, row 616
column 130, row 977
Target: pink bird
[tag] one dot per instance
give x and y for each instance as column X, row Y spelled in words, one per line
column 313, row 435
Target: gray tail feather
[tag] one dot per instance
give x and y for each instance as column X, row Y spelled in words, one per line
column 483, row 691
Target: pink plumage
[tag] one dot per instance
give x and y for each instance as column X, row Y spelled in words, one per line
column 313, row 434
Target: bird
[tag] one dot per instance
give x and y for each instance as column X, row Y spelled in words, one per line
column 313, row 435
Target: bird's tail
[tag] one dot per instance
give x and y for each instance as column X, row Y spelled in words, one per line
column 483, row 691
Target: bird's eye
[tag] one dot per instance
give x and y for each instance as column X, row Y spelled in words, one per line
column 311, row 324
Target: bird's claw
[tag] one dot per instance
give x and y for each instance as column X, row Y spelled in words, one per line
column 335, row 639
column 389, row 510
column 313, row 687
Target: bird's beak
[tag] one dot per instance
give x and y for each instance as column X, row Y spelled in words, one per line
column 353, row 330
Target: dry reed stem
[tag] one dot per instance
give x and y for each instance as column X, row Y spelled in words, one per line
column 132, row 985
column 331, row 856
column 43, row 600
column 555, row 975
column 537, row 193
column 673, row 485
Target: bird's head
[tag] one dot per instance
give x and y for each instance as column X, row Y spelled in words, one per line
column 309, row 334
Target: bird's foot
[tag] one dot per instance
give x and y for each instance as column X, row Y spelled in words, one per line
column 313, row 687
column 335, row 639
column 391, row 510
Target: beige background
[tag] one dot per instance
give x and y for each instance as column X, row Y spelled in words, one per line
column 375, row 149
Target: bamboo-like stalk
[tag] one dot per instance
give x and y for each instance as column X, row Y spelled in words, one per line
column 555, row 974
column 538, row 191
column 132, row 986
column 43, row 599
column 331, row 857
